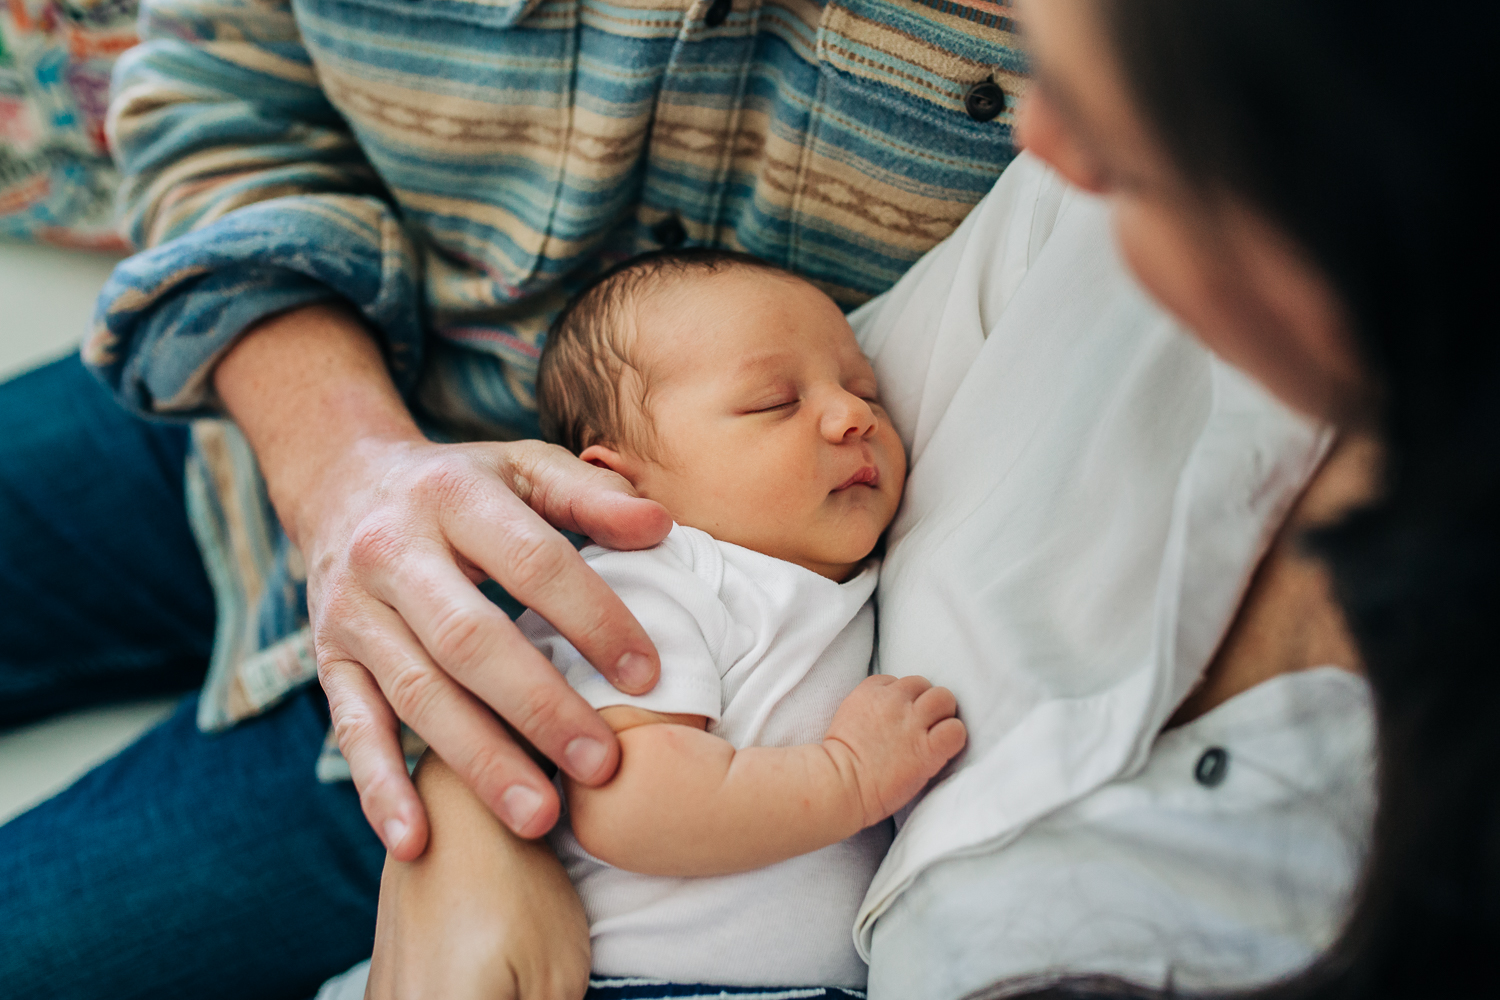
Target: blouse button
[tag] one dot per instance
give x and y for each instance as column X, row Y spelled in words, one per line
column 1212, row 767
column 669, row 232
column 984, row 100
column 718, row 13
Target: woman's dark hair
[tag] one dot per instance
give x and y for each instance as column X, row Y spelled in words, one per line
column 1361, row 129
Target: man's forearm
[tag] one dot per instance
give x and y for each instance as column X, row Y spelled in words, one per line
column 687, row 803
column 309, row 387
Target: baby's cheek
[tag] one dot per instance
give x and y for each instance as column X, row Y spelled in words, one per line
column 893, row 504
column 768, row 505
column 892, row 486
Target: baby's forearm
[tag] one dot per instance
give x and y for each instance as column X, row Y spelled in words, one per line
column 687, row 803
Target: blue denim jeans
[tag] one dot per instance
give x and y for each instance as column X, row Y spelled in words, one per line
column 188, row 865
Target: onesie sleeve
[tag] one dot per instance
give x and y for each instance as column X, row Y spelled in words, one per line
column 678, row 605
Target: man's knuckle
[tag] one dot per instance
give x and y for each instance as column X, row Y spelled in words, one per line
column 339, row 615
column 491, row 769
column 327, row 655
column 533, row 560
column 377, row 541
column 450, row 483
column 530, row 451
column 411, row 688
column 536, row 470
column 537, row 713
column 459, row 638
column 352, row 729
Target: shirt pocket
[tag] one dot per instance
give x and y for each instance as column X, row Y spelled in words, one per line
column 894, row 159
column 464, row 109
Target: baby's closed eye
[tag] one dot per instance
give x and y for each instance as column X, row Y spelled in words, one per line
column 773, row 402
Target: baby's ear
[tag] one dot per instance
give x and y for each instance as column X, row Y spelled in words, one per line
column 607, row 458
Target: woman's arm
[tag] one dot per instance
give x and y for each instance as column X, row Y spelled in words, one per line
column 483, row 915
column 687, row 803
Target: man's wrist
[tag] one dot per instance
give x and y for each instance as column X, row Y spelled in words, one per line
column 310, row 390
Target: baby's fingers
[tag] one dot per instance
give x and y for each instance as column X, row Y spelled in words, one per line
column 934, row 705
column 913, row 686
column 947, row 738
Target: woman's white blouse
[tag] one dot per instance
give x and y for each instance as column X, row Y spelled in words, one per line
column 1090, row 491
column 1226, row 862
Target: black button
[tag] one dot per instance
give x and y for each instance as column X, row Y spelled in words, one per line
column 984, row 100
column 1212, row 767
column 669, row 232
column 718, row 13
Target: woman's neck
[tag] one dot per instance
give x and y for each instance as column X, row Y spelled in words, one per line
column 1288, row 619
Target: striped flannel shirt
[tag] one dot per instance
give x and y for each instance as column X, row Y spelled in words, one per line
column 453, row 168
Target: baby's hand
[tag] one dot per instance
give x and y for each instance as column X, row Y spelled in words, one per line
column 894, row 734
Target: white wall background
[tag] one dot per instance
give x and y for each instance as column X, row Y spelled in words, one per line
column 46, row 303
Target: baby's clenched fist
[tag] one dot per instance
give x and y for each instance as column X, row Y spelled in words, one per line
column 891, row 735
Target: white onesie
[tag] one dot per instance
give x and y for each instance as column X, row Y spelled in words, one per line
column 766, row 650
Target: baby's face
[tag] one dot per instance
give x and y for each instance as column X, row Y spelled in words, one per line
column 765, row 425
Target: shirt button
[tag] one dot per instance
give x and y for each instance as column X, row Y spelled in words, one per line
column 1212, row 767
column 718, row 13
column 669, row 232
column 984, row 100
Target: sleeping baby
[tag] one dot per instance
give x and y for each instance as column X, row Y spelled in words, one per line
column 747, row 818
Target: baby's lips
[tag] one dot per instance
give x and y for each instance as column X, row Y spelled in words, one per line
column 867, row 475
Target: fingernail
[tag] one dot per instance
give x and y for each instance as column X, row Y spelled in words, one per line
column 518, row 804
column 634, row 671
column 395, row 832
column 585, row 757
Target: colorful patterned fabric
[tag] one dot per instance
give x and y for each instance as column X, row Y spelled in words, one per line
column 56, row 180
column 454, row 167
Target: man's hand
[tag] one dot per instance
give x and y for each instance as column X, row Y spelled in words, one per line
column 397, row 531
column 483, row 915
column 895, row 734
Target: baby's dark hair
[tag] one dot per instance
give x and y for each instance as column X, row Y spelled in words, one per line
column 581, row 383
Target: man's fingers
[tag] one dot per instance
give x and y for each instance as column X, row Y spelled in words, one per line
column 539, row 568
column 457, row 727
column 576, row 496
column 369, row 738
column 478, row 646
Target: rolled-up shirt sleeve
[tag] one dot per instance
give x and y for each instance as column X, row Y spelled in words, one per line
column 250, row 197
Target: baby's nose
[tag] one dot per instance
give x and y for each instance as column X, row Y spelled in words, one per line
column 849, row 419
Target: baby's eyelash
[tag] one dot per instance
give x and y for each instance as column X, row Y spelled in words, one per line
column 776, row 406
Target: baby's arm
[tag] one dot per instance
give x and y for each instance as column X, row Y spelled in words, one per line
column 687, row 803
